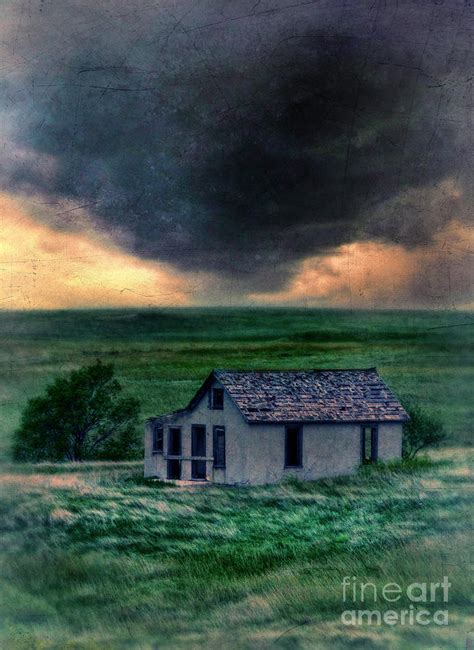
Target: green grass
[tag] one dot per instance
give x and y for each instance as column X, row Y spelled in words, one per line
column 95, row 556
column 98, row 557
column 162, row 356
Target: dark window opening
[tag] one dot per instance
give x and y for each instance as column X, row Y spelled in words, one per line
column 174, row 441
column 174, row 469
column 158, row 439
column 219, row 447
column 293, row 447
column 198, row 440
column 217, row 398
column 198, row 448
column 369, row 444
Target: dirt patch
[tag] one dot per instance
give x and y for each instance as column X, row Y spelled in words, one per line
column 63, row 481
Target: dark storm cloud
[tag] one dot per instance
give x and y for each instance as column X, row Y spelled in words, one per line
column 239, row 138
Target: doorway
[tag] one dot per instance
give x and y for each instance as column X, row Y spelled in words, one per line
column 174, row 449
column 198, row 448
column 174, row 441
column 293, row 446
column 174, row 469
column 369, row 444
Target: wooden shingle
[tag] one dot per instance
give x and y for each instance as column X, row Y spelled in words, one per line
column 312, row 396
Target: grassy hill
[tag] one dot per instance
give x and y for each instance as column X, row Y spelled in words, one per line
column 162, row 356
column 94, row 556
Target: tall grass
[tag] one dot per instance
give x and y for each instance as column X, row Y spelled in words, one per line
column 94, row 556
column 98, row 558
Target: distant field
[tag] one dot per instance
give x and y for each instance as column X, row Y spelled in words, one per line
column 93, row 556
column 162, row 356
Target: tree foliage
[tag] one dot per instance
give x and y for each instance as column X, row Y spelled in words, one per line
column 81, row 416
column 423, row 430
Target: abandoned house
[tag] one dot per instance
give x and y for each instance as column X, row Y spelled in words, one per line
column 259, row 427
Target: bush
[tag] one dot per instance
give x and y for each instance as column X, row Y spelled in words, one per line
column 423, row 430
column 80, row 417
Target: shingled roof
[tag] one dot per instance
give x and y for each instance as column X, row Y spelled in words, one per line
column 311, row 396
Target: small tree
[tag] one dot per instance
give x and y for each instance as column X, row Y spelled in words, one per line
column 80, row 416
column 422, row 430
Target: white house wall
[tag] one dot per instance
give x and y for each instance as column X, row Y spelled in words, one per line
column 255, row 453
column 228, row 417
column 390, row 440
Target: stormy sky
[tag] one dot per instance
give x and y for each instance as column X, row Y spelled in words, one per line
column 243, row 143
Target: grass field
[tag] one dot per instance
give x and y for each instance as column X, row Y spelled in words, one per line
column 162, row 356
column 95, row 557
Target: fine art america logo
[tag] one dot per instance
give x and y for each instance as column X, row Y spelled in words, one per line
column 369, row 603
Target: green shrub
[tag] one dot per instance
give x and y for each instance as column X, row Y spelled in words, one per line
column 423, row 430
column 81, row 416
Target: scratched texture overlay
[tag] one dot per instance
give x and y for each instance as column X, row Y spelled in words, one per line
column 189, row 184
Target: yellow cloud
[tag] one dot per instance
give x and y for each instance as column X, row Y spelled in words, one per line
column 373, row 274
column 42, row 268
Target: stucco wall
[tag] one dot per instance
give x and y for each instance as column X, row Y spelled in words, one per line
column 229, row 417
column 255, row 453
column 328, row 450
column 390, row 441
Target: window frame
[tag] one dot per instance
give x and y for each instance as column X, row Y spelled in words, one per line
column 374, row 443
column 299, row 443
column 216, row 429
column 213, row 401
column 157, row 449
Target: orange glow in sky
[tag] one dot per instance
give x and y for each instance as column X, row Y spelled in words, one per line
column 373, row 275
column 43, row 268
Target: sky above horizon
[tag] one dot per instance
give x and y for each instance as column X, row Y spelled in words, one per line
column 187, row 152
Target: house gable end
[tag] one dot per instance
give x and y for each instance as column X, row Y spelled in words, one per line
column 203, row 395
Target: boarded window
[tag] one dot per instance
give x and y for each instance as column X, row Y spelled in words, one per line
column 219, row 447
column 369, row 444
column 217, row 400
column 293, row 447
column 158, row 439
column 174, row 441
